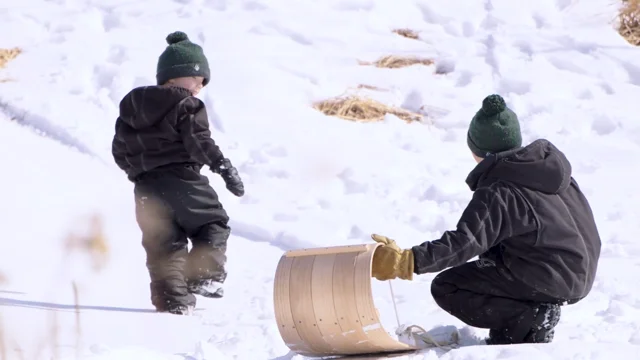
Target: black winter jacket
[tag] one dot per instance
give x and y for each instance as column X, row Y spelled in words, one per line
column 162, row 126
column 528, row 215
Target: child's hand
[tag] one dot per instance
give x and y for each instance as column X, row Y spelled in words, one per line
column 390, row 261
column 230, row 176
column 233, row 181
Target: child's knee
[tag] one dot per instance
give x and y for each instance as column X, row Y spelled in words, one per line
column 442, row 288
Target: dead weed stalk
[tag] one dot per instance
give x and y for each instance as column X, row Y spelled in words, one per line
column 408, row 33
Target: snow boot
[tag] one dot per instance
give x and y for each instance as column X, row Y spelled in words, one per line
column 178, row 310
column 206, row 288
column 546, row 317
column 542, row 331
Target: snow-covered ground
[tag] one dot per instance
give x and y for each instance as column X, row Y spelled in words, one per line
column 311, row 180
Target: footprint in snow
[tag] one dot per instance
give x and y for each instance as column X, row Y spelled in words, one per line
column 464, row 79
column 585, row 95
column 59, row 34
column 117, row 55
column 104, row 75
column 539, row 20
column 563, row 63
column 468, row 29
column 293, row 35
column 254, row 6
column 220, row 5
column 285, row 217
column 445, row 66
column 110, row 20
column 276, row 151
column 430, row 16
column 514, row 86
column 525, row 47
column 355, row 5
column 352, row 186
column 603, row 125
column 563, row 4
column 607, row 88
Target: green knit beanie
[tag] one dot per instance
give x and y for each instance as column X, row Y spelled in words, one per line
column 494, row 128
column 182, row 58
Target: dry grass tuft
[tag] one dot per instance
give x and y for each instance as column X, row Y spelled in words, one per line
column 395, row 61
column 7, row 55
column 93, row 243
column 362, row 109
column 629, row 21
column 408, row 33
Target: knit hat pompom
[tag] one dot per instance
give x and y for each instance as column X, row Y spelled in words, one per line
column 493, row 105
column 176, row 37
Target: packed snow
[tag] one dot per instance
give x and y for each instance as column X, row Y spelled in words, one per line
column 311, row 180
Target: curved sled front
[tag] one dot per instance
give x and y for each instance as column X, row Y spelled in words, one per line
column 324, row 303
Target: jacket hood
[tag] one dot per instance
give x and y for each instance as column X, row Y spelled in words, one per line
column 539, row 166
column 146, row 105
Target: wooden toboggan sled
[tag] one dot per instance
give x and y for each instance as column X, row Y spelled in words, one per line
column 324, row 305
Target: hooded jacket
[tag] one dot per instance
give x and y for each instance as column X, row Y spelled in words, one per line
column 162, row 126
column 528, row 216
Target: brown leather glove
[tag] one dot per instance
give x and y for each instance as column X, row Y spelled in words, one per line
column 390, row 262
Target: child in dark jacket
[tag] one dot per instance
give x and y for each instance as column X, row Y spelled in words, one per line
column 162, row 140
column 530, row 225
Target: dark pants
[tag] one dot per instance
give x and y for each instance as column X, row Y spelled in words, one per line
column 173, row 205
column 485, row 296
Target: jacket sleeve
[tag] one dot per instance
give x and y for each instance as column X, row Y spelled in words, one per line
column 119, row 150
column 196, row 136
column 492, row 215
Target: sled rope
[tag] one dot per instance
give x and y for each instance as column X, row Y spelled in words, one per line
column 424, row 336
column 393, row 299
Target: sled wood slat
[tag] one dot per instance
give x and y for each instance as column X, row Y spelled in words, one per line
column 346, row 309
column 284, row 318
column 302, row 307
column 325, row 310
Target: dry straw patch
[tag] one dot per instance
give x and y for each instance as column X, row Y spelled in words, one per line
column 408, row 33
column 92, row 243
column 7, row 55
column 363, row 109
column 629, row 21
column 395, row 61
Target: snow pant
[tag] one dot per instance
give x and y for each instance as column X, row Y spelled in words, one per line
column 484, row 295
column 172, row 206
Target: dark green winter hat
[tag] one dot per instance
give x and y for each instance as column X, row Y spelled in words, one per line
column 182, row 58
column 494, row 128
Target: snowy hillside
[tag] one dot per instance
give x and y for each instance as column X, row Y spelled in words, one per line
column 311, row 180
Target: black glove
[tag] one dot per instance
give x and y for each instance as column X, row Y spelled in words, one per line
column 230, row 176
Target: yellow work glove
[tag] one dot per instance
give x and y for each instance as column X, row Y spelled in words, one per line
column 390, row 262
